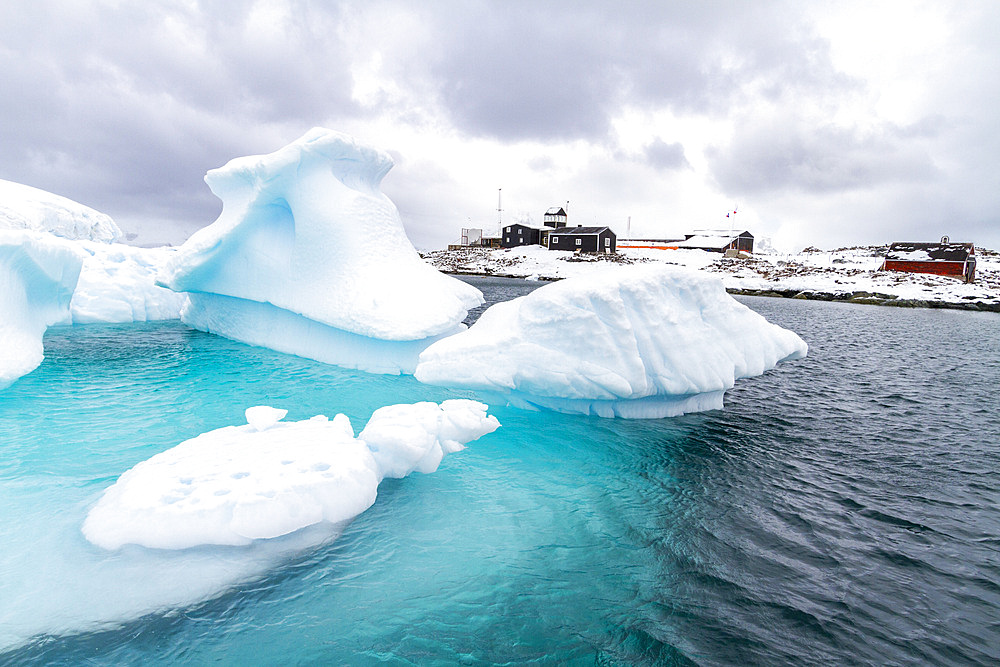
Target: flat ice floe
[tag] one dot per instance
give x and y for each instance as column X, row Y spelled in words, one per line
column 309, row 257
column 641, row 342
column 263, row 478
column 269, row 478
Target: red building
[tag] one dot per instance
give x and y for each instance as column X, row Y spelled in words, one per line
column 943, row 259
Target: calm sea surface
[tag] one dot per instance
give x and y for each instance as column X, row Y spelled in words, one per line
column 842, row 509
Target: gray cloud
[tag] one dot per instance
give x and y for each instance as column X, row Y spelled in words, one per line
column 555, row 70
column 783, row 154
column 662, row 155
column 125, row 107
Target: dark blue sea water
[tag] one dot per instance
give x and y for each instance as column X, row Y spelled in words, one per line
column 842, row 509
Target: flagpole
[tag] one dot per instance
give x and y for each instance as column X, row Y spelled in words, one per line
column 732, row 223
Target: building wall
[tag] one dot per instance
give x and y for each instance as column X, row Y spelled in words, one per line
column 587, row 242
column 516, row 235
column 936, row 268
column 744, row 243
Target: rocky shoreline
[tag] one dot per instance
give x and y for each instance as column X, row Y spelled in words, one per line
column 860, row 297
column 847, row 276
column 870, row 299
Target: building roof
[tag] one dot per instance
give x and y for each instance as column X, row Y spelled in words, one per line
column 575, row 231
column 708, row 241
column 721, row 232
column 556, row 210
column 929, row 252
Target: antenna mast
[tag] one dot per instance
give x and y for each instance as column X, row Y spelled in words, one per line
column 499, row 210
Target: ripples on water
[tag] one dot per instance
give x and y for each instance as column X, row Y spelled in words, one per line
column 842, row 508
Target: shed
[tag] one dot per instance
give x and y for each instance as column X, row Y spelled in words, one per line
column 718, row 240
column 943, row 259
column 471, row 236
column 584, row 239
column 517, row 234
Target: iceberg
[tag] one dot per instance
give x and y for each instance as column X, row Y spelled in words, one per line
column 268, row 478
column 118, row 284
column 26, row 208
column 638, row 342
column 38, row 273
column 310, row 257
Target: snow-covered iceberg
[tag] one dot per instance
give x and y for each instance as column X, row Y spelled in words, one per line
column 269, row 478
column 309, row 257
column 25, row 207
column 640, row 342
column 38, row 273
column 117, row 282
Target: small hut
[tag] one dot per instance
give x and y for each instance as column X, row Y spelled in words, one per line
column 942, row 259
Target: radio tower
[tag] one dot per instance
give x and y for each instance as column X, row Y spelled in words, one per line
column 499, row 210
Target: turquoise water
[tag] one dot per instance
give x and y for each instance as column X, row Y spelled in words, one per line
column 842, row 509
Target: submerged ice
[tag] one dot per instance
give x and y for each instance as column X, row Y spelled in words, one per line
column 640, row 342
column 269, row 478
column 309, row 257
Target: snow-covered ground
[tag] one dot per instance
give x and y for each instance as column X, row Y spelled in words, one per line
column 848, row 274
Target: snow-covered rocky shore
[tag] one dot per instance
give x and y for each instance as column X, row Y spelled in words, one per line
column 846, row 274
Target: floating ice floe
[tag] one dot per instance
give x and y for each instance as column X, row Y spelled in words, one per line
column 38, row 273
column 309, row 257
column 641, row 342
column 269, row 478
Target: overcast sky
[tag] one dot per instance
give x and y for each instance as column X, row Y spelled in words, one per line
column 826, row 124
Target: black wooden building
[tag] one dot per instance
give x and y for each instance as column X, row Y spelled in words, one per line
column 517, row 234
column 584, row 239
column 555, row 217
